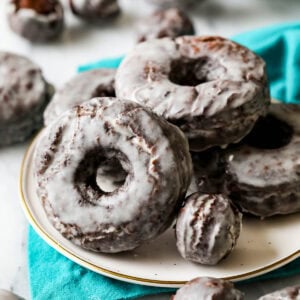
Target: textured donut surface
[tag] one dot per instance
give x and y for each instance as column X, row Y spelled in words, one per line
column 205, row 288
column 82, row 87
column 172, row 22
column 266, row 182
column 24, row 93
column 289, row 293
column 34, row 25
column 207, row 228
column 146, row 146
column 211, row 87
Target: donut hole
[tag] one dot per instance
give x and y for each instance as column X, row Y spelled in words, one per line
column 110, row 175
column 192, row 72
column 104, row 91
column 270, row 133
column 98, row 174
column 43, row 7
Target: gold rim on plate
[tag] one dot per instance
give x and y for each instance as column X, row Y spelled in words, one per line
column 139, row 280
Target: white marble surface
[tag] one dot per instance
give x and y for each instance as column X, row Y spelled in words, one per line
column 81, row 44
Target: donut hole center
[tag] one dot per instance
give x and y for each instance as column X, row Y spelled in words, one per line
column 43, row 7
column 192, row 72
column 110, row 175
column 104, row 91
column 100, row 174
column 270, row 133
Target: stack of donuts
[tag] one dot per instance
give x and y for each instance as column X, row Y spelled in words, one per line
column 184, row 131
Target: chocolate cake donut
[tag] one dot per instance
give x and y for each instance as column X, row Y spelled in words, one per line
column 82, row 87
column 36, row 20
column 207, row 228
column 95, row 10
column 79, row 142
column 263, row 173
column 24, row 94
column 211, row 87
column 172, row 22
column 205, row 288
column 289, row 293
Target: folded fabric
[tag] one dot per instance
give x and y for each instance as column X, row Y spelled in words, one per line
column 279, row 46
column 109, row 63
column 52, row 276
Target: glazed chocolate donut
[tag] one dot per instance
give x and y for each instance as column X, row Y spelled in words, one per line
column 205, row 288
column 207, row 228
column 82, row 87
column 24, row 94
column 75, row 145
column 95, row 10
column 289, row 293
column 172, row 22
column 263, row 178
column 211, row 87
column 36, row 20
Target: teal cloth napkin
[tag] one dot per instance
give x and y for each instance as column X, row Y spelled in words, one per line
column 52, row 276
column 279, row 46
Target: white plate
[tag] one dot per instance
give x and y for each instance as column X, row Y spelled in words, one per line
column 263, row 246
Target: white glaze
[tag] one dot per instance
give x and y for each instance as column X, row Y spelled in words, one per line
column 205, row 288
column 21, row 97
column 254, row 14
column 80, row 88
column 265, row 182
column 270, row 167
column 56, row 185
column 263, row 167
column 150, row 87
column 171, row 22
column 194, row 242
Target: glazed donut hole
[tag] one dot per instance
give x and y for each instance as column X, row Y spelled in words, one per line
column 207, row 228
column 270, row 133
column 43, row 7
column 192, row 72
column 101, row 172
column 208, row 288
column 37, row 21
